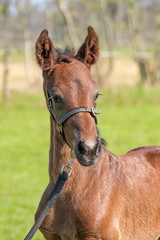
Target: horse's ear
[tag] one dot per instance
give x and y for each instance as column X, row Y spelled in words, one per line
column 89, row 51
column 45, row 52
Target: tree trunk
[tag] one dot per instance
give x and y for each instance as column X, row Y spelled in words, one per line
column 69, row 23
column 28, row 56
column 107, row 26
column 157, row 47
column 24, row 8
column 5, row 56
column 137, row 41
column 5, row 64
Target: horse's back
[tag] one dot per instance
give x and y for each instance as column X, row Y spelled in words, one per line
column 151, row 154
column 144, row 149
column 141, row 193
column 141, row 163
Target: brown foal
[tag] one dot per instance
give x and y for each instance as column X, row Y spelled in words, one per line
column 107, row 196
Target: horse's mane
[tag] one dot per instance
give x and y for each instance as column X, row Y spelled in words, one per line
column 103, row 141
column 66, row 55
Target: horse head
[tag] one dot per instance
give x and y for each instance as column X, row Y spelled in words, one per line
column 68, row 83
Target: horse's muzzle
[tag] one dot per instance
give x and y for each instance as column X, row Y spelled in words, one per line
column 88, row 153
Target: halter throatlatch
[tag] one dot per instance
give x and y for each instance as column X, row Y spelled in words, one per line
column 74, row 111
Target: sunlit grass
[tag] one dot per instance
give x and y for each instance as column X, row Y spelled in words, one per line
column 130, row 118
column 24, row 140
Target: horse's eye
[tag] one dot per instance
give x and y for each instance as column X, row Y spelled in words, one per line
column 96, row 96
column 57, row 99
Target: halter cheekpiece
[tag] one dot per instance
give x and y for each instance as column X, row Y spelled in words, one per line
column 69, row 114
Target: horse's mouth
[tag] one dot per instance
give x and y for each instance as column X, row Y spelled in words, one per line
column 86, row 161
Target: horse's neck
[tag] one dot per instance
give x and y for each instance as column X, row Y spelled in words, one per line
column 59, row 152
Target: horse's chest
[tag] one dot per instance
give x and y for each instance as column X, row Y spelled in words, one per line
column 74, row 218
column 64, row 220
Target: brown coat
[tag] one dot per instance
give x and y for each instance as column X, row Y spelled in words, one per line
column 115, row 197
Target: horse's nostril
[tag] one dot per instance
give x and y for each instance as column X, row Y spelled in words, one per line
column 98, row 147
column 84, row 149
column 81, row 148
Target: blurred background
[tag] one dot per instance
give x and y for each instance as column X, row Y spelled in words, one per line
column 129, row 32
column 127, row 73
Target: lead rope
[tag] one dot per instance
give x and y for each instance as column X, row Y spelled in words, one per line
column 52, row 197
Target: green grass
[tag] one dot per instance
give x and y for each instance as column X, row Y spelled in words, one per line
column 24, row 140
column 130, row 118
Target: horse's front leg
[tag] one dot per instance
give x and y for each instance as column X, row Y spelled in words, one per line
column 99, row 238
column 112, row 236
column 92, row 238
column 88, row 238
column 51, row 236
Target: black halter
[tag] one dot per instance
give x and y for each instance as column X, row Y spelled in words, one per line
column 61, row 121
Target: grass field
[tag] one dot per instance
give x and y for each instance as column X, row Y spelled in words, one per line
column 130, row 118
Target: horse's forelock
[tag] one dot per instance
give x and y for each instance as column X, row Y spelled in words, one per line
column 66, row 55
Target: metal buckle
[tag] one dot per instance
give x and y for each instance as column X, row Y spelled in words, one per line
column 68, row 165
column 59, row 128
column 93, row 112
column 49, row 104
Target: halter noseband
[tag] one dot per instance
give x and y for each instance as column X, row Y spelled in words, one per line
column 74, row 111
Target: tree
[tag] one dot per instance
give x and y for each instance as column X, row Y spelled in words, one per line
column 107, row 24
column 156, row 75
column 24, row 9
column 4, row 11
column 63, row 7
column 133, row 16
